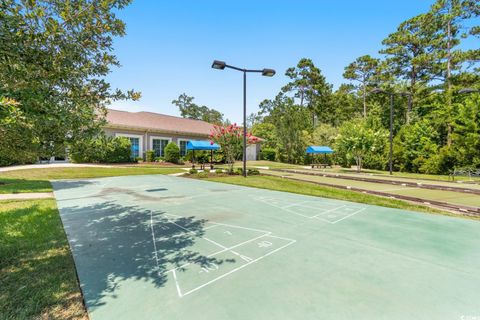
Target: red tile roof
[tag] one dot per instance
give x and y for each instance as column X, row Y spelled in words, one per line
column 156, row 122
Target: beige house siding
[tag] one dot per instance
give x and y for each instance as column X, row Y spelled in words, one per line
column 253, row 151
column 147, row 135
column 147, row 125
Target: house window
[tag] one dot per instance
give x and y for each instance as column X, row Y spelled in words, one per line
column 135, row 146
column 158, row 146
column 182, row 144
column 136, row 143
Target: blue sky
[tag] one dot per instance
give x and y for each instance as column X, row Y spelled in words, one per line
column 170, row 45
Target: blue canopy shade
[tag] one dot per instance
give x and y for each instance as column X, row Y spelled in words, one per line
column 202, row 145
column 319, row 149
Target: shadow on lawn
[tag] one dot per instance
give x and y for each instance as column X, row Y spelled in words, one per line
column 113, row 243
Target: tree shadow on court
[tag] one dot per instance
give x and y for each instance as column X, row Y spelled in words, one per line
column 112, row 244
column 70, row 184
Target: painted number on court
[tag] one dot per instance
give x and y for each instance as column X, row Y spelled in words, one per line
column 264, row 244
column 209, row 267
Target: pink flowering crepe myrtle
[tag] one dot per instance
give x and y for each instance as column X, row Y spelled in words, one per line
column 230, row 139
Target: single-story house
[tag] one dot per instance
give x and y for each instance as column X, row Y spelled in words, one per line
column 153, row 131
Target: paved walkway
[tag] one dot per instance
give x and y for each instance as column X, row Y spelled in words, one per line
column 52, row 165
column 26, row 196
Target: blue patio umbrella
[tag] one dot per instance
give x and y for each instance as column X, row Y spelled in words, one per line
column 203, row 145
column 319, row 150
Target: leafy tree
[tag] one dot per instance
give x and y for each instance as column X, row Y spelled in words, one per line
column 309, row 85
column 230, row 138
column 345, row 104
column 266, row 131
column 17, row 143
column 358, row 138
column 290, row 121
column 411, row 52
column 211, row 115
column 252, row 119
column 414, row 146
column 363, row 70
column 188, row 109
column 323, row 135
column 451, row 17
column 54, row 57
column 466, row 132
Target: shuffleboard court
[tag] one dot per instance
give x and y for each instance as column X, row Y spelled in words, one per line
column 162, row 247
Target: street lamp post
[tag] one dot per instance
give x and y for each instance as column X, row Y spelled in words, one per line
column 220, row 65
column 390, row 153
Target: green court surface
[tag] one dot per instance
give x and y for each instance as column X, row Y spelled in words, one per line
column 452, row 197
column 163, row 247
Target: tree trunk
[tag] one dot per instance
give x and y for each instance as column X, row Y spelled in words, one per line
column 448, row 83
column 364, row 100
column 358, row 159
column 302, row 92
column 413, row 81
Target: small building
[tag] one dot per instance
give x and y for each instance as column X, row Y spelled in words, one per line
column 153, row 131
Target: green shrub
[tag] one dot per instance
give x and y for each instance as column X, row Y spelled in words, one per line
column 193, row 171
column 253, row 172
column 202, row 175
column 101, row 149
column 238, row 171
column 172, row 153
column 19, row 156
column 138, row 159
column 206, row 170
column 118, row 150
column 268, row 154
column 159, row 159
column 219, row 171
column 149, row 155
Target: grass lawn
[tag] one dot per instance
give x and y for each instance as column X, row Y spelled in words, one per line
column 281, row 165
column 419, row 176
column 263, row 163
column 280, row 184
column 37, row 275
column 36, row 180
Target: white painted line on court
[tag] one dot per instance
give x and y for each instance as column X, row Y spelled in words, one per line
column 209, row 240
column 243, row 257
column 331, row 210
column 352, row 214
column 154, row 242
column 181, row 227
column 239, row 227
column 237, row 269
column 215, row 243
column 295, row 204
column 277, row 237
column 177, row 285
column 223, row 250
column 286, row 209
column 322, row 219
column 211, row 227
